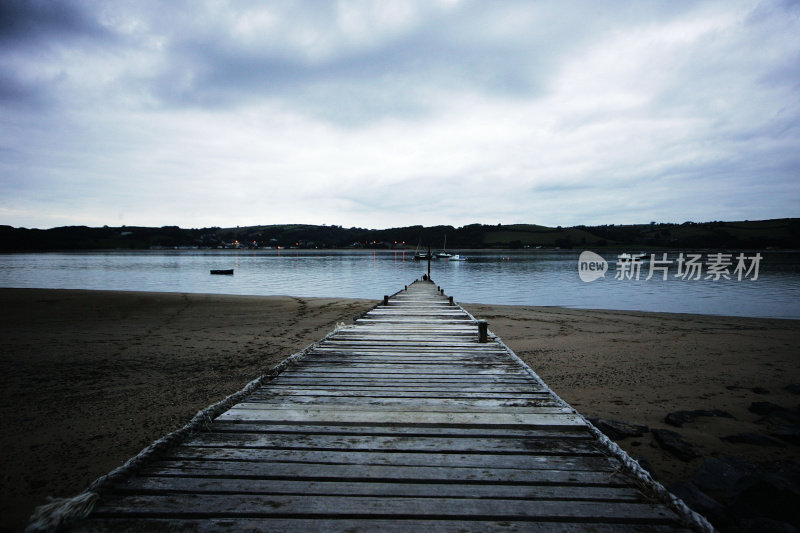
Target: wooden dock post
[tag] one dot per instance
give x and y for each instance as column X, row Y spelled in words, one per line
column 429, row 264
column 385, row 300
column 451, row 301
column 483, row 331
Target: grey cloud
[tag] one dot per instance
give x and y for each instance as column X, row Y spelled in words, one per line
column 477, row 46
column 445, row 51
column 30, row 22
column 36, row 33
column 389, row 79
column 16, row 91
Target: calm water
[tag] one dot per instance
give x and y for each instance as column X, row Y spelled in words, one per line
column 547, row 278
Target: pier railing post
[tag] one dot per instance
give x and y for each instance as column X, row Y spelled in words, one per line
column 451, row 301
column 483, row 331
column 385, row 300
column 429, row 263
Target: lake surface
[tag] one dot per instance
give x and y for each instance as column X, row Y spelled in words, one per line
column 548, row 278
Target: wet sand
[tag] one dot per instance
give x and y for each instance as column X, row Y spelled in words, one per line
column 92, row 377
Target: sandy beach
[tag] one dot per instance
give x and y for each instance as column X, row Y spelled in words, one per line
column 92, row 377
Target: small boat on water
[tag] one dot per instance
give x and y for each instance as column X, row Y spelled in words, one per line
column 456, row 257
column 422, row 255
column 443, row 254
column 632, row 257
column 228, row 272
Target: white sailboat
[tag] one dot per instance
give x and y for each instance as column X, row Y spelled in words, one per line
column 443, row 254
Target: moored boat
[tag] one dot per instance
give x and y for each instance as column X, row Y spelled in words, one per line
column 443, row 254
column 632, row 257
column 228, row 272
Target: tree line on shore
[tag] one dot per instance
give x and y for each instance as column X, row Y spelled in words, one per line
column 762, row 234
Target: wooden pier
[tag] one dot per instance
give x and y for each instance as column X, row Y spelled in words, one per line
column 402, row 422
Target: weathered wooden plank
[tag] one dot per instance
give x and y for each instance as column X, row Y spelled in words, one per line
column 395, row 458
column 399, row 405
column 385, row 473
column 430, row 355
column 407, row 350
column 395, row 328
column 348, row 525
column 438, row 365
column 430, row 377
column 352, row 488
column 405, row 368
column 219, row 506
column 402, row 417
column 473, row 351
column 365, row 321
column 406, row 385
column 447, row 361
column 433, row 443
column 408, row 311
column 471, row 373
column 383, row 392
column 404, row 362
column 354, row 402
column 410, row 339
column 391, row 430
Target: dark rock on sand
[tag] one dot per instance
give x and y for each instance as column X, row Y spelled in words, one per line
column 699, row 501
column 760, row 390
column 780, row 418
column 617, row 430
column 756, row 439
column 717, row 476
column 794, row 388
column 737, row 495
column 679, row 418
column 783, row 423
column 764, row 525
column 788, row 432
column 765, row 494
column 765, row 408
column 674, row 444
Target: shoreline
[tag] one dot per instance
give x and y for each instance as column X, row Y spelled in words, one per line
column 463, row 304
column 95, row 376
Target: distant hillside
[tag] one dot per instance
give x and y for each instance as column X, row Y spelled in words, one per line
column 779, row 233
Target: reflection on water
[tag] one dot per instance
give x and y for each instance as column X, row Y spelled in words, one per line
column 547, row 278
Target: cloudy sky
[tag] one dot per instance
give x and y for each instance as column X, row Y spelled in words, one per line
column 393, row 113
